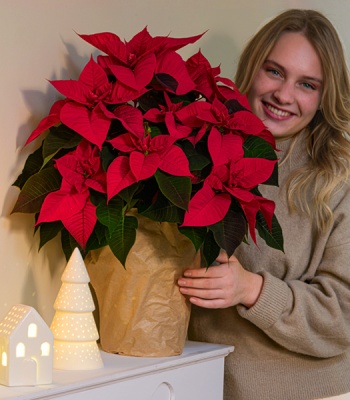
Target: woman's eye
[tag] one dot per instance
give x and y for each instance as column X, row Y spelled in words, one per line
column 308, row 86
column 273, row 71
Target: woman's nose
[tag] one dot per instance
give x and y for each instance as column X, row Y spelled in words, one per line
column 284, row 94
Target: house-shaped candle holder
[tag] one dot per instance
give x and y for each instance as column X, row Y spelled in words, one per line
column 26, row 348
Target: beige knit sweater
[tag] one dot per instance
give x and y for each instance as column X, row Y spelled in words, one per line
column 294, row 343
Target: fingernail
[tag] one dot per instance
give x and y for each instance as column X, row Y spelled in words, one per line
column 182, row 282
column 188, row 273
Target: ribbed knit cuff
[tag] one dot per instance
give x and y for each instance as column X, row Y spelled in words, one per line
column 270, row 305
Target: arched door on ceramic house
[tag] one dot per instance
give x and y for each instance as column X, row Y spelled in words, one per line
column 26, row 368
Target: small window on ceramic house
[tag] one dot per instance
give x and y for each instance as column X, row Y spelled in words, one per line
column 4, row 359
column 32, row 330
column 45, row 349
column 20, row 350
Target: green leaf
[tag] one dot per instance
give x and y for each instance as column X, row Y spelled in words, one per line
column 98, row 238
column 210, row 249
column 59, row 138
column 48, row 231
column 100, row 232
column 108, row 154
column 177, row 189
column 123, row 237
column 256, row 147
column 108, row 214
column 128, row 193
column 197, row 160
column 155, row 131
column 229, row 233
column 32, row 166
column 163, row 211
column 69, row 244
column 97, row 197
column 273, row 180
column 36, row 189
column 197, row 235
column 272, row 238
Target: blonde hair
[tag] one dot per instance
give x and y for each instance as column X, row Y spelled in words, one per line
column 327, row 140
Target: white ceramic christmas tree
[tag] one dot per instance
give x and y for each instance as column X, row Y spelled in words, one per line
column 73, row 325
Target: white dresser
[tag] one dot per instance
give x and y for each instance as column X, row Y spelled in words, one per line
column 197, row 374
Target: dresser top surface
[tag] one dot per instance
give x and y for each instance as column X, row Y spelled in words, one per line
column 116, row 368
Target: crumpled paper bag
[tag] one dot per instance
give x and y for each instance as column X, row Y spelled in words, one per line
column 141, row 310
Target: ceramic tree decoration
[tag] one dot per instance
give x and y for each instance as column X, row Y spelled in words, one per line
column 73, row 325
column 26, row 348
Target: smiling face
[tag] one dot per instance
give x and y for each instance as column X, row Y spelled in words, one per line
column 286, row 91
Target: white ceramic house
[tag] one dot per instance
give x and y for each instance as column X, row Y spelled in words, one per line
column 26, row 348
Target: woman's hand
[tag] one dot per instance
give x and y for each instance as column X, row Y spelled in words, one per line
column 221, row 286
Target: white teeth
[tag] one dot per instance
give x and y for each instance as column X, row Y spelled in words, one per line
column 278, row 112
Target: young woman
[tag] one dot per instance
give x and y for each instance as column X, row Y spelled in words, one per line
column 288, row 314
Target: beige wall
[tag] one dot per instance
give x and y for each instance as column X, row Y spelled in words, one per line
column 38, row 42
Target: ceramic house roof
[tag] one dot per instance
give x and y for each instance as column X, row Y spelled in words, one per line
column 15, row 317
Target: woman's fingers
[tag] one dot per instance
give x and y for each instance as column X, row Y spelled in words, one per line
column 205, row 303
column 214, row 298
column 202, row 293
column 221, row 286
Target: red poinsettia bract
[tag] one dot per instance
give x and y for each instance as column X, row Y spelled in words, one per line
column 144, row 156
column 80, row 171
column 136, row 62
column 167, row 114
column 234, row 178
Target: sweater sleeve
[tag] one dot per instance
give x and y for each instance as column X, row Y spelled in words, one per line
column 312, row 316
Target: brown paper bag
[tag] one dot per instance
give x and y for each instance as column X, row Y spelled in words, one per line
column 141, row 310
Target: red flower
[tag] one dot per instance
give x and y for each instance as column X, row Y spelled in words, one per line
column 80, row 171
column 146, row 155
column 52, row 119
column 204, row 76
column 137, row 62
column 86, row 113
column 235, row 177
column 202, row 115
column 167, row 114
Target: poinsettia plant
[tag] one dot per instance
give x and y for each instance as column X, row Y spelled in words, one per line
column 144, row 129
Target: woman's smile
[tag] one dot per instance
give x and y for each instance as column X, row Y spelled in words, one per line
column 275, row 112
